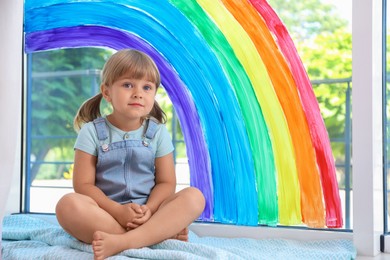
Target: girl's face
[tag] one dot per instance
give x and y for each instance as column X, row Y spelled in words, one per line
column 131, row 98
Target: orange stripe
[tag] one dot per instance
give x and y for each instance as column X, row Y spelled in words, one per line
column 312, row 206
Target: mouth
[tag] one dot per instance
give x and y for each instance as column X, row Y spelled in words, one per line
column 135, row 105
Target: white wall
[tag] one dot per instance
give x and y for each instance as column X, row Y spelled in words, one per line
column 11, row 28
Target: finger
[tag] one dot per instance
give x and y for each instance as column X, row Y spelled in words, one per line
column 144, row 208
column 138, row 215
column 136, row 207
column 139, row 221
column 147, row 213
column 132, row 225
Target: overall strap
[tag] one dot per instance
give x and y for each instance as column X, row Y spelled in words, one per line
column 150, row 130
column 101, row 128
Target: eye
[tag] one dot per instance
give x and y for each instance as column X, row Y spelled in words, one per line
column 127, row 85
column 147, row 88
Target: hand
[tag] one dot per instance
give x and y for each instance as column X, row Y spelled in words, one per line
column 140, row 220
column 127, row 213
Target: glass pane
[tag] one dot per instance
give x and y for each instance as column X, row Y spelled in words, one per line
column 321, row 30
column 58, row 82
column 322, row 33
column 66, row 78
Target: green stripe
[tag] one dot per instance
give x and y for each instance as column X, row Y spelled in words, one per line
column 256, row 127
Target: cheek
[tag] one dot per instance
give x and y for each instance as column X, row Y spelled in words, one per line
column 151, row 104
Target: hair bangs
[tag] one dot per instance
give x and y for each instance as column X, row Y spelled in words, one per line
column 132, row 64
column 142, row 68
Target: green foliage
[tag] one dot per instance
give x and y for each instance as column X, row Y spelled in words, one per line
column 307, row 18
column 166, row 105
column 56, row 97
column 325, row 47
column 321, row 38
column 328, row 55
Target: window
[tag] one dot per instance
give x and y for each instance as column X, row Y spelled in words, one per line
column 322, row 33
column 365, row 44
column 49, row 122
column 66, row 78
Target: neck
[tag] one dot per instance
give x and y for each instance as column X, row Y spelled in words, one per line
column 125, row 124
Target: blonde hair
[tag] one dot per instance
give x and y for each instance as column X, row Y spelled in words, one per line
column 128, row 61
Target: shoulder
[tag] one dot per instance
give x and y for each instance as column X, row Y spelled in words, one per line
column 153, row 127
column 163, row 141
column 87, row 140
column 162, row 130
column 87, row 129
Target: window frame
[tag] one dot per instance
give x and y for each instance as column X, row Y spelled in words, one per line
column 367, row 140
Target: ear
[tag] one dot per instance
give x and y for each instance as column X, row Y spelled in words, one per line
column 105, row 92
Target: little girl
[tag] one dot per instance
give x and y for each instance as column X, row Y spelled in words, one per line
column 124, row 175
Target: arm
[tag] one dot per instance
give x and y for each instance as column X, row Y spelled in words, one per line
column 84, row 183
column 84, row 180
column 165, row 182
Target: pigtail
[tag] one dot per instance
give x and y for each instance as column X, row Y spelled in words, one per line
column 158, row 113
column 88, row 111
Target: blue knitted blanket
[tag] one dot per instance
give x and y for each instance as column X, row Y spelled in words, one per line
column 29, row 237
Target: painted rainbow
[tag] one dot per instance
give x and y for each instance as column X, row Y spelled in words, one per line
column 256, row 143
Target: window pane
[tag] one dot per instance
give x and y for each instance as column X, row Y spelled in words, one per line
column 322, row 33
column 59, row 81
column 65, row 78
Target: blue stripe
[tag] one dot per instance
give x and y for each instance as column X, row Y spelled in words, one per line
column 184, row 48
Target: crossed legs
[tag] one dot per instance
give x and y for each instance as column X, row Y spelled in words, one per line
column 80, row 216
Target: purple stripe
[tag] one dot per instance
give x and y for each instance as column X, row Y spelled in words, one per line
column 97, row 36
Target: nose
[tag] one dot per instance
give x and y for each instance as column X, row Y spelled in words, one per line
column 137, row 93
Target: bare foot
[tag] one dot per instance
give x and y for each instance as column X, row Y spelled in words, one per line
column 105, row 245
column 182, row 235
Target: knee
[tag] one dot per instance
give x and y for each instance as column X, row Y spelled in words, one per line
column 64, row 204
column 68, row 204
column 195, row 199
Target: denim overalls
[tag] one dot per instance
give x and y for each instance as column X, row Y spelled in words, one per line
column 125, row 169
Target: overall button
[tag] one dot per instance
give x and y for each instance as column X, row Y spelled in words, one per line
column 105, row 147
